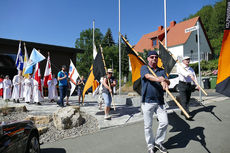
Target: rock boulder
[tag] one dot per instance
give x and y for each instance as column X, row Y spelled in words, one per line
column 39, row 119
column 67, row 117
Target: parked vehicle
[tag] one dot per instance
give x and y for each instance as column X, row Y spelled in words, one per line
column 174, row 81
column 20, row 137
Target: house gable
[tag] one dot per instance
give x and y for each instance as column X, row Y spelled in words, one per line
column 175, row 35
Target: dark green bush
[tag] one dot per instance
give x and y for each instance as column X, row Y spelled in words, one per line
column 206, row 65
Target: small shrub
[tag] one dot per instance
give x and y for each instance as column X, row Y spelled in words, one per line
column 205, row 65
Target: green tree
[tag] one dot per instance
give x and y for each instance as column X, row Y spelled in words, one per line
column 205, row 14
column 213, row 19
column 124, row 59
column 85, row 42
column 111, row 58
column 110, row 52
column 217, row 23
column 108, row 39
column 217, row 26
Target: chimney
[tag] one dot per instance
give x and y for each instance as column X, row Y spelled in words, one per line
column 172, row 23
column 160, row 28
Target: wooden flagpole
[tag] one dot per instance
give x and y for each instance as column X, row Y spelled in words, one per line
column 185, row 69
column 177, row 103
column 108, row 80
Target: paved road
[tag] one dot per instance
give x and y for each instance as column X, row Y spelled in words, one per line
column 209, row 132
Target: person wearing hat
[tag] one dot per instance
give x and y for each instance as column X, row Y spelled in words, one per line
column 62, row 83
column 153, row 102
column 107, row 91
column 80, row 87
column 187, row 77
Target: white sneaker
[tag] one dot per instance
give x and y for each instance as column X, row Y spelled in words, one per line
column 107, row 117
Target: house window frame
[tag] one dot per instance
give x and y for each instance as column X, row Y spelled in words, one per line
column 154, row 42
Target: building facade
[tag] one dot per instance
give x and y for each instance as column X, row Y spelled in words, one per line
column 58, row 55
column 179, row 43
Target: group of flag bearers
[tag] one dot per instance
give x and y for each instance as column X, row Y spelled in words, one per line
column 27, row 89
column 30, row 87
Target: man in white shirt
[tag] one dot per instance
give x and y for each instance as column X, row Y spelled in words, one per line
column 187, row 77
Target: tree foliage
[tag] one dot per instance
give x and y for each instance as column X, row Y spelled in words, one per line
column 110, row 52
column 108, row 39
column 206, row 65
column 85, row 42
column 124, row 59
column 213, row 19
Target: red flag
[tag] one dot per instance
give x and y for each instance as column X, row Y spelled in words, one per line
column 37, row 77
column 48, row 72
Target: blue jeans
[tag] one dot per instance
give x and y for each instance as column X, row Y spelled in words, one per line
column 107, row 99
column 62, row 92
column 148, row 110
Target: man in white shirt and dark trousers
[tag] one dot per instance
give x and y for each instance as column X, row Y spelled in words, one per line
column 187, row 78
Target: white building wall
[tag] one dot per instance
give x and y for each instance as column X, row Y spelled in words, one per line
column 177, row 51
column 191, row 46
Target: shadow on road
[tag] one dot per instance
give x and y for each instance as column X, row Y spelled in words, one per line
column 208, row 109
column 56, row 150
column 182, row 139
column 121, row 110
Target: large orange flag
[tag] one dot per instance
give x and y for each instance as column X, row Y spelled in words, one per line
column 223, row 78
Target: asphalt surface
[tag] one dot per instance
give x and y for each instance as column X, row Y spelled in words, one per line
column 208, row 133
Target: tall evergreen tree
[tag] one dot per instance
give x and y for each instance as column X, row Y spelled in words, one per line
column 108, row 39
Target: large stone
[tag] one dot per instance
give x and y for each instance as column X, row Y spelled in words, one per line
column 67, row 117
column 42, row 130
column 10, row 109
column 39, row 119
column 133, row 94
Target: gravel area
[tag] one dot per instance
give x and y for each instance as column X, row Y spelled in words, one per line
column 90, row 126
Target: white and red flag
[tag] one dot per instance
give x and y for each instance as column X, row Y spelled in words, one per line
column 37, row 77
column 48, row 72
column 73, row 75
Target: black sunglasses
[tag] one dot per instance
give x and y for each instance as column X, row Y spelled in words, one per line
column 152, row 57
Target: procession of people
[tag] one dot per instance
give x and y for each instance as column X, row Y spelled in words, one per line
column 154, row 81
column 27, row 89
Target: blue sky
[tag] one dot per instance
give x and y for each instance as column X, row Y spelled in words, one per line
column 59, row 22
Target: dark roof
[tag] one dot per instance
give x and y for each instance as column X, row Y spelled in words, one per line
column 40, row 46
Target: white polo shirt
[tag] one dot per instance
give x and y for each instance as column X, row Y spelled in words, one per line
column 184, row 72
